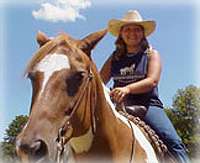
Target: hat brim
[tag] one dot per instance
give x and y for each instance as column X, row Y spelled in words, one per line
column 114, row 26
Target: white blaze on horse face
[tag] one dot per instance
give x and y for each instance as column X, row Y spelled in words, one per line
column 50, row 64
column 144, row 143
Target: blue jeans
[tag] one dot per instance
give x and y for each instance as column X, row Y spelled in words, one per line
column 158, row 120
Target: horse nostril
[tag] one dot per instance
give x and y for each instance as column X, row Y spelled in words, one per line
column 38, row 149
column 36, row 146
column 35, row 150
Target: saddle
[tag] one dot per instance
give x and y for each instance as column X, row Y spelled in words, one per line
column 134, row 110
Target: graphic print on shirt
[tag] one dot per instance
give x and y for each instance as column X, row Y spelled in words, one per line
column 127, row 70
column 128, row 74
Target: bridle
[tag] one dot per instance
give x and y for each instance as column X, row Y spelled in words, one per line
column 61, row 137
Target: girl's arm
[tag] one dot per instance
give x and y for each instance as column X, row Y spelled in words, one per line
column 105, row 71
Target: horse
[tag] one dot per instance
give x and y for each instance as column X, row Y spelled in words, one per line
column 71, row 106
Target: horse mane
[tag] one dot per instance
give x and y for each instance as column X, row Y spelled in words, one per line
column 44, row 50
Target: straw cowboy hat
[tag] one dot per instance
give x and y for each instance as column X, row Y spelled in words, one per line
column 132, row 16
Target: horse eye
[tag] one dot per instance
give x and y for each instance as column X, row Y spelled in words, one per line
column 73, row 82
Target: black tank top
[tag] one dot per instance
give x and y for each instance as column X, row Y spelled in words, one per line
column 132, row 68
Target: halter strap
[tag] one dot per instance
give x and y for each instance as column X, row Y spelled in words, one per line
column 61, row 139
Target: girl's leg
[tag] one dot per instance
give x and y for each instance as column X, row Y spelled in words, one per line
column 158, row 120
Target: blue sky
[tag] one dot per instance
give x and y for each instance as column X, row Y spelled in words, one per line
column 175, row 38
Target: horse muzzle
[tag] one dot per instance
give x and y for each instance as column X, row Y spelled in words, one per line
column 31, row 151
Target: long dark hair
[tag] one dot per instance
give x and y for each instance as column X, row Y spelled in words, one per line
column 121, row 49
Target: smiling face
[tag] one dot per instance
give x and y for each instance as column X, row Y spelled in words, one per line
column 132, row 34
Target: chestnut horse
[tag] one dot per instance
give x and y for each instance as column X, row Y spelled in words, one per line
column 70, row 105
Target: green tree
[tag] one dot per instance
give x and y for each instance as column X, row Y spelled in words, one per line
column 185, row 115
column 8, row 145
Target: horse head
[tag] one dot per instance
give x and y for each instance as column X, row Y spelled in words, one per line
column 59, row 71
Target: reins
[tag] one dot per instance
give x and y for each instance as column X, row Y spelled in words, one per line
column 132, row 132
column 61, row 138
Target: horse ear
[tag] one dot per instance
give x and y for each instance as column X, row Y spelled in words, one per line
column 90, row 41
column 42, row 38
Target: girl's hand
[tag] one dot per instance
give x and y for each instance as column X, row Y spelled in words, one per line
column 118, row 94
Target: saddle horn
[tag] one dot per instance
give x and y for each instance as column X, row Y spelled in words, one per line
column 90, row 41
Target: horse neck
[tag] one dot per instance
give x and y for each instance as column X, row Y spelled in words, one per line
column 96, row 142
column 108, row 139
column 106, row 114
column 103, row 110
